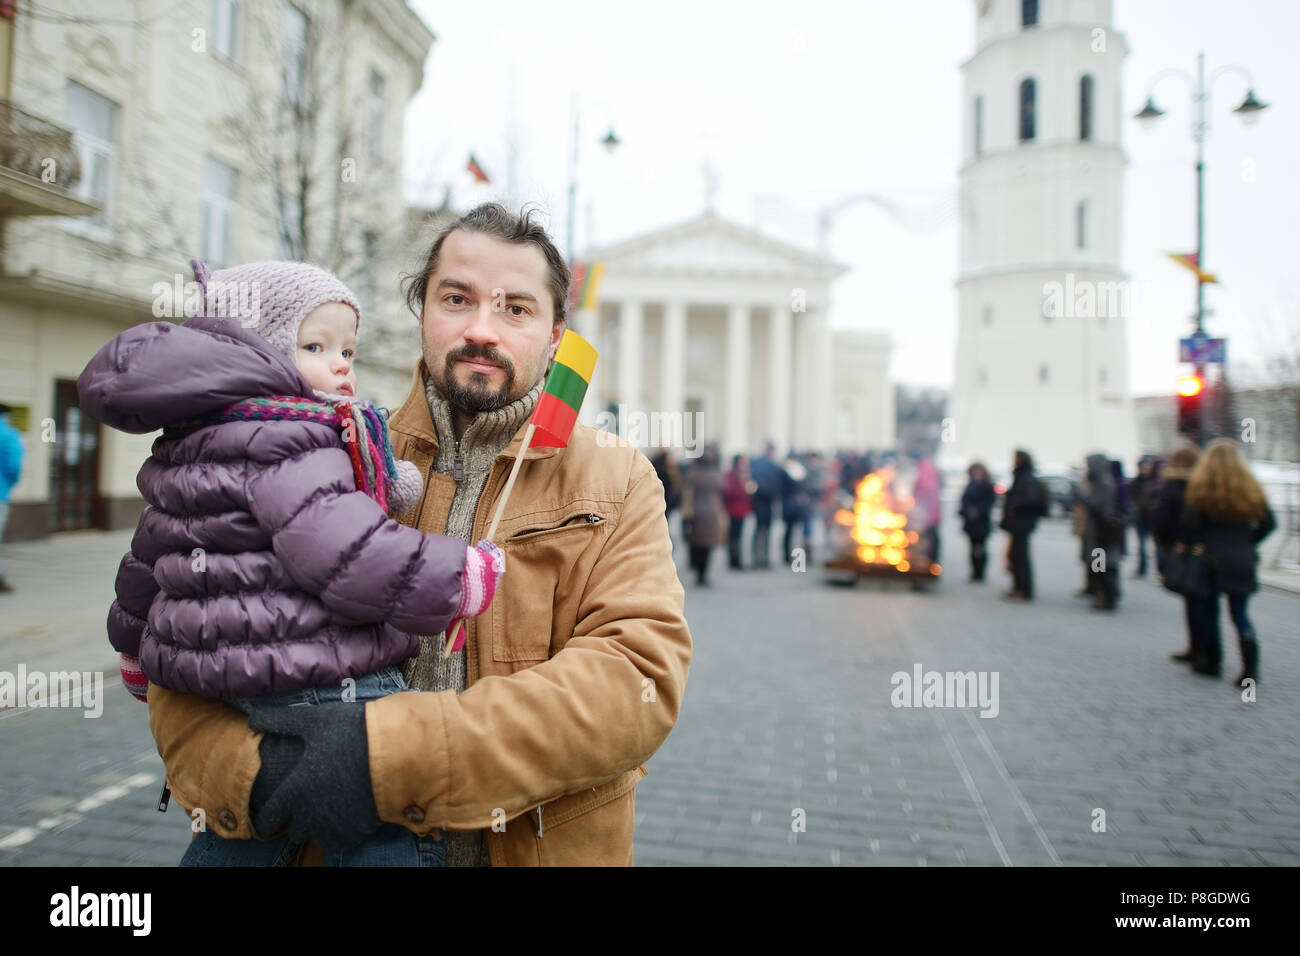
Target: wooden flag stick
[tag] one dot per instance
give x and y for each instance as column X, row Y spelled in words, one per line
column 496, row 520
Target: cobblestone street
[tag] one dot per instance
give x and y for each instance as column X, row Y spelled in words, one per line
column 788, row 726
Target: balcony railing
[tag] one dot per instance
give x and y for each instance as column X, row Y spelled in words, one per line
column 39, row 167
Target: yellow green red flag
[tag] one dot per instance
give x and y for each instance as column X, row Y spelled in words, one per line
column 562, row 394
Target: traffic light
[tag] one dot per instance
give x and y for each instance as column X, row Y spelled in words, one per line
column 1191, row 393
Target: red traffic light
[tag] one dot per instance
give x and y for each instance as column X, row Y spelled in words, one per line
column 1190, row 385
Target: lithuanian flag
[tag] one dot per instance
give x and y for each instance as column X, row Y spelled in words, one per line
column 586, row 283
column 566, row 384
column 1190, row 260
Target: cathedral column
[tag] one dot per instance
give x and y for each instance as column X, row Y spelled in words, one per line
column 672, row 358
column 629, row 354
column 778, row 350
column 738, row 330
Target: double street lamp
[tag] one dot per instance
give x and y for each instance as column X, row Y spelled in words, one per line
column 1249, row 111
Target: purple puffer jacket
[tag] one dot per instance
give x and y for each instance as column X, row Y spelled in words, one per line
column 257, row 566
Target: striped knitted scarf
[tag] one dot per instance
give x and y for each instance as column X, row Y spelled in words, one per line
column 363, row 427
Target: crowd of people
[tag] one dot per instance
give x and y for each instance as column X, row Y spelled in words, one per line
column 717, row 506
column 798, row 494
column 1205, row 514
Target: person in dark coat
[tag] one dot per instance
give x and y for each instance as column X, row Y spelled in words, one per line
column 976, row 505
column 1166, row 518
column 666, row 467
column 736, row 489
column 1227, row 512
column 768, row 477
column 1022, row 506
column 703, row 512
column 796, row 508
column 1103, row 532
column 1143, row 491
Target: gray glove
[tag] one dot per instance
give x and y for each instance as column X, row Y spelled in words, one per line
column 315, row 777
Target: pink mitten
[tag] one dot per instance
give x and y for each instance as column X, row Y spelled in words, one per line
column 133, row 678
column 484, row 565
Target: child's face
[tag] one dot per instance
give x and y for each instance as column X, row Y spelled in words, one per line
column 327, row 345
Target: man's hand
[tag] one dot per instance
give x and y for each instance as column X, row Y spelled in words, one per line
column 315, row 775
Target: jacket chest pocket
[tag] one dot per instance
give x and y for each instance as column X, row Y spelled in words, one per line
column 548, row 557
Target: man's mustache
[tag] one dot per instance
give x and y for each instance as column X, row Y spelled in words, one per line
column 481, row 355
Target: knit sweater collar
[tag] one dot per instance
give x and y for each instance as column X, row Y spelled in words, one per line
column 488, row 433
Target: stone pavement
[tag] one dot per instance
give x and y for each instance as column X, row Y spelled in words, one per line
column 788, row 720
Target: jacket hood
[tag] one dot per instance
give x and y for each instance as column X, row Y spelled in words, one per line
column 160, row 374
column 1098, row 466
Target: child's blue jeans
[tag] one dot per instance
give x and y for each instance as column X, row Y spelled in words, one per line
column 390, row 845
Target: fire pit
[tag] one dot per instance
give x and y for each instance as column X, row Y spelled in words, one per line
column 874, row 537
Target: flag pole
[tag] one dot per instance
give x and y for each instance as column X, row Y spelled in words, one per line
column 496, row 520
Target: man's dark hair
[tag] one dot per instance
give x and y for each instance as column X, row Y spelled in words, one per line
column 493, row 219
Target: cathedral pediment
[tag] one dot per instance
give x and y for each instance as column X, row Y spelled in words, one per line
column 712, row 247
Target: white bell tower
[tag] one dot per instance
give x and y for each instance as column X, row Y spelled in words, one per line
column 1043, row 307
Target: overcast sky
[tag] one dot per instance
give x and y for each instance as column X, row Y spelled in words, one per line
column 797, row 105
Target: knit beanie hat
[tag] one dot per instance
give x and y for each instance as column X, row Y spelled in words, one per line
column 271, row 298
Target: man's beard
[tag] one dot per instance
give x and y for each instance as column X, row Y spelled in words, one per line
column 476, row 395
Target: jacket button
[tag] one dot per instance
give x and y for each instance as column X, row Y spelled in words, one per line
column 414, row 814
column 227, row 820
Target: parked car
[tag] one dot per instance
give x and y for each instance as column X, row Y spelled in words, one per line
column 1061, row 492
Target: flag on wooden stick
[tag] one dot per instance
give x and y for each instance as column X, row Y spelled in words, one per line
column 562, row 394
column 550, row 427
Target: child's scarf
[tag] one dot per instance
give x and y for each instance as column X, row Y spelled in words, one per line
column 363, row 427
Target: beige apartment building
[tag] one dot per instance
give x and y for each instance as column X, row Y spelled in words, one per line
column 144, row 132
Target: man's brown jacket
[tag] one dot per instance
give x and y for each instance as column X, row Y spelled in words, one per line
column 575, row 674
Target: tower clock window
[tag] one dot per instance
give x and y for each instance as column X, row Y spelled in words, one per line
column 1042, row 373
column 1027, row 97
column 979, row 126
column 1085, row 108
column 1081, row 225
column 1029, row 13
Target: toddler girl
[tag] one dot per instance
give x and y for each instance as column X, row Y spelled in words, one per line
column 264, row 568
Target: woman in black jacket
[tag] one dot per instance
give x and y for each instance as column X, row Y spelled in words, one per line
column 1166, row 517
column 1228, row 513
column 976, row 503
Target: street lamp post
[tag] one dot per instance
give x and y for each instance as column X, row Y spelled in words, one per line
column 610, row 141
column 1248, row 111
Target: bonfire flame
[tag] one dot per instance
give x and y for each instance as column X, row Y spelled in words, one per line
column 879, row 522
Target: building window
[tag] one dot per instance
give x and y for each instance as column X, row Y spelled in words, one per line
column 983, row 376
column 217, row 216
column 375, row 115
column 1102, row 375
column 1029, row 13
column 93, row 121
column 225, row 29
column 1085, row 108
column 1081, row 225
column 295, row 58
column 979, row 126
column 1042, row 373
column 988, row 315
column 1027, row 91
